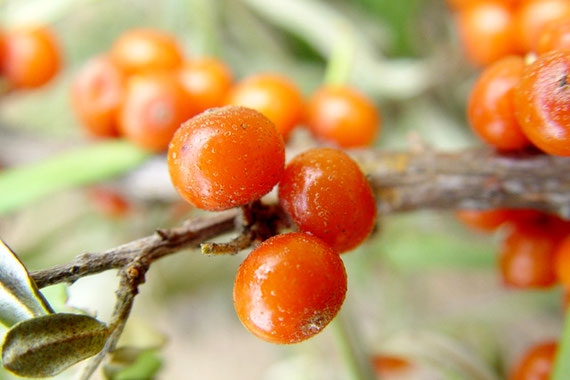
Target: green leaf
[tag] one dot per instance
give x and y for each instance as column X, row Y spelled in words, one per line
column 45, row 346
column 562, row 360
column 20, row 299
column 133, row 363
column 90, row 164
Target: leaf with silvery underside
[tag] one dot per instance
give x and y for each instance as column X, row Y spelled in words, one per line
column 20, row 298
column 47, row 345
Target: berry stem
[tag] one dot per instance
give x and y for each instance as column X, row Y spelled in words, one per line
column 350, row 346
column 562, row 359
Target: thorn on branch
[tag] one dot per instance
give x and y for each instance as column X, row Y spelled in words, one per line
column 163, row 234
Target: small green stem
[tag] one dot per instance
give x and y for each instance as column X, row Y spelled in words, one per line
column 562, row 361
column 340, row 61
column 356, row 362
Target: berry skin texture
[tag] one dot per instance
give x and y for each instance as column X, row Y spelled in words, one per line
column 532, row 16
column 491, row 110
column 537, row 363
column 486, row 32
column 289, row 288
column 542, row 103
column 327, row 195
column 206, row 82
column 153, row 108
column 226, row 157
column 343, row 116
column 562, row 264
column 31, row 57
column 527, row 257
column 273, row 95
column 555, row 36
column 96, row 94
column 139, row 50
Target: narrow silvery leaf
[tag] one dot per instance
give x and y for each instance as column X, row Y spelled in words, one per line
column 20, row 299
column 45, row 346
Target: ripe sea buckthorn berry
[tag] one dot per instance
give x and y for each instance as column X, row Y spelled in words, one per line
column 555, row 36
column 206, row 81
column 154, row 106
column 289, row 288
column 542, row 102
column 342, row 115
column 146, row 50
column 485, row 220
column 96, row 93
column 326, row 195
column 486, row 31
column 527, row 257
column 562, row 263
column 273, row 95
column 532, row 16
column 109, row 202
column 226, row 157
column 491, row 110
column 31, row 57
column 536, row 364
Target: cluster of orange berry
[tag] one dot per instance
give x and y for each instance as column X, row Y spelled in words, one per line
column 518, row 102
column 143, row 89
column 493, row 29
column 292, row 285
column 29, row 57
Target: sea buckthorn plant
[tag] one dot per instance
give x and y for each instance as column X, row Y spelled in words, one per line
column 339, row 190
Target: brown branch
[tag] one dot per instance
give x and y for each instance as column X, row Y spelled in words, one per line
column 147, row 249
column 479, row 179
column 401, row 181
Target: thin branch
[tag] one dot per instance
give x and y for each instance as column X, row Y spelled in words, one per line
column 480, row 179
column 150, row 248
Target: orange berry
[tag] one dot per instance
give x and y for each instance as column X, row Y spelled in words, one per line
column 387, row 365
column 226, row 157
column 562, row 263
column 109, row 202
column 532, row 16
column 461, row 4
column 327, row 195
column 342, row 115
column 491, row 110
column 273, row 95
column 206, row 81
column 96, row 93
column 554, row 36
column 486, row 32
column 485, row 220
column 289, row 288
column 542, row 102
column 31, row 57
column 146, row 50
column 527, row 257
column 154, row 106
column 536, row 364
